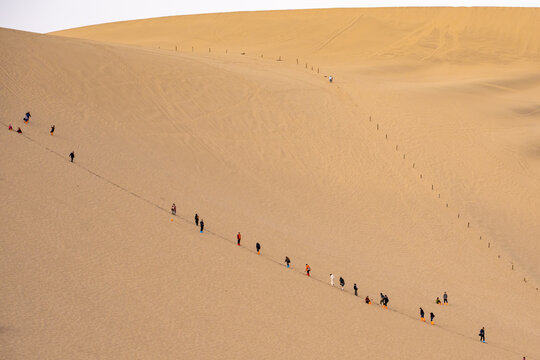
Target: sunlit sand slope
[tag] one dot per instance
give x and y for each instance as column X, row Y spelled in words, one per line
column 342, row 36
column 93, row 266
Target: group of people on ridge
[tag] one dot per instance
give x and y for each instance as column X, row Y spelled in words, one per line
column 26, row 119
column 384, row 298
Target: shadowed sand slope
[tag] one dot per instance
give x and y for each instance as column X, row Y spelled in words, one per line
column 456, row 89
column 93, row 266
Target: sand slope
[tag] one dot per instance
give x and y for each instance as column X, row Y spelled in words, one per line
column 93, row 267
column 455, row 88
column 342, row 36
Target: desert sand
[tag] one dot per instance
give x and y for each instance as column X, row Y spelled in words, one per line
column 417, row 171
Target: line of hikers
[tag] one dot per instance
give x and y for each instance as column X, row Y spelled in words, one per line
column 384, row 298
column 26, row 119
column 200, row 223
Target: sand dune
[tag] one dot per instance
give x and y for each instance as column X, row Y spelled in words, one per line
column 343, row 36
column 93, row 266
column 456, row 88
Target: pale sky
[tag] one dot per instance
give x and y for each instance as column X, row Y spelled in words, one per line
column 49, row 15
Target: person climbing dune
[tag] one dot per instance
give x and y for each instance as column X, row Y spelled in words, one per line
column 308, row 269
column 331, row 279
column 482, row 335
column 342, row 283
column 367, row 300
column 238, row 238
column 258, row 248
column 422, row 315
column 287, row 261
column 72, row 155
column 432, row 316
column 27, row 117
column 52, row 130
column 196, row 219
column 355, row 289
column 173, row 209
column 202, row 225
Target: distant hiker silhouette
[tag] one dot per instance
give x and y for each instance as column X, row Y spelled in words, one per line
column 196, row 219
column 438, row 301
column 19, row 130
column 287, row 261
column 330, row 78
column 422, row 315
column 355, row 289
column 382, row 299
column 432, row 316
column 27, row 117
column 258, row 248
column 238, row 238
column 173, row 209
column 308, row 269
column 342, row 283
column 445, row 298
column 331, row 279
column 10, row 127
column 367, row 300
column 52, row 130
column 202, row 225
column 72, row 155
column 482, row 335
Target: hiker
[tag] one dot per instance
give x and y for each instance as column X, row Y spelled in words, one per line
column 355, row 289
column 19, row 130
column 10, row 127
column 287, row 261
column 238, row 238
column 27, row 117
column 438, row 301
column 308, row 269
column 386, row 301
column 330, row 78
column 331, row 279
column 482, row 335
column 342, row 283
column 422, row 315
column 432, row 316
column 72, row 155
column 173, row 209
column 196, row 219
column 368, row 301
column 52, row 130
column 202, row 225
column 258, row 247
column 445, row 298
column 382, row 299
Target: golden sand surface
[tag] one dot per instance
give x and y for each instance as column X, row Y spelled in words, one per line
column 416, row 171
